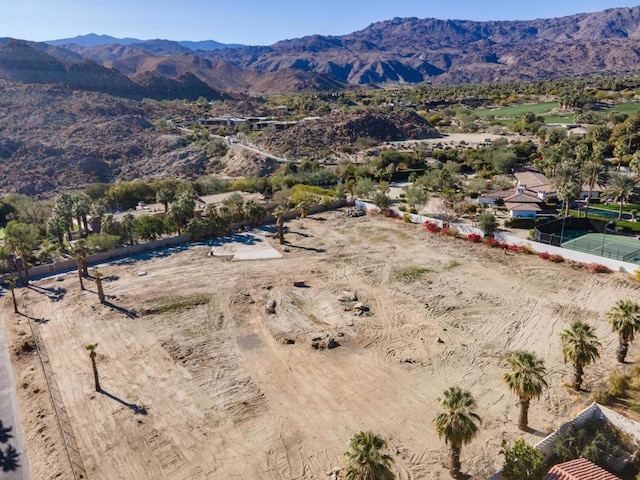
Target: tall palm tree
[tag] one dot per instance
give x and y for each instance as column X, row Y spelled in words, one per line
column 566, row 184
column 92, row 355
column 458, row 424
column 365, row 460
column 621, row 189
column 581, row 347
column 98, row 277
column 526, row 380
column 594, row 174
column 624, row 318
column 12, row 286
column 279, row 214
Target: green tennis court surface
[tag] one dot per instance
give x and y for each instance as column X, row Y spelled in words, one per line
column 609, row 246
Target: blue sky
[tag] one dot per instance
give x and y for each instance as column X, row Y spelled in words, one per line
column 255, row 22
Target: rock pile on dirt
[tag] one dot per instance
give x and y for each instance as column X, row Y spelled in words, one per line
column 355, row 212
column 324, row 342
column 361, row 309
column 347, row 296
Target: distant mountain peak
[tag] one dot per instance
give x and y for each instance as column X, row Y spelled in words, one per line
column 95, row 40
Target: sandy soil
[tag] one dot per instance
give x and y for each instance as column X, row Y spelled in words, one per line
column 220, row 391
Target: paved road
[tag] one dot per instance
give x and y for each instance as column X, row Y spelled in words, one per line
column 13, row 459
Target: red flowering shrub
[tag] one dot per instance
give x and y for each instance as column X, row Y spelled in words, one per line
column 514, row 248
column 432, row 227
column 475, row 238
column 445, row 231
column 493, row 243
column 544, row 255
column 555, row 258
column 598, row 268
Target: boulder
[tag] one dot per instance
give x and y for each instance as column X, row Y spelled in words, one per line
column 347, row 296
column 271, row 306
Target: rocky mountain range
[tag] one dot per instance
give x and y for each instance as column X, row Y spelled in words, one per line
column 400, row 51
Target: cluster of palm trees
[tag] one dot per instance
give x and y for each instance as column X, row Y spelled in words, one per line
column 458, row 423
column 584, row 165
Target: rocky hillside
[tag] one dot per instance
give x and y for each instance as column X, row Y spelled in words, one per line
column 337, row 129
column 53, row 137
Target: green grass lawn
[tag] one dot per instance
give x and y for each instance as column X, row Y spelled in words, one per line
column 615, row 207
column 516, row 111
column 627, row 108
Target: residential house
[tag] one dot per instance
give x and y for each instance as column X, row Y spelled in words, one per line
column 579, row 469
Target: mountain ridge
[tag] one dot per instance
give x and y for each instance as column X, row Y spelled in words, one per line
column 395, row 52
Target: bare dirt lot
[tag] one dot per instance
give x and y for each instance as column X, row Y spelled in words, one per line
column 225, row 390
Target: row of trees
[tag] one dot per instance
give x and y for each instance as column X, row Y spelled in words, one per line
column 458, row 423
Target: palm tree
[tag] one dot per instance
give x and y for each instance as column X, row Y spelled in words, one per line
column 365, row 459
column 624, row 318
column 79, row 253
column 619, row 151
column 92, row 355
column 279, row 214
column 12, row 286
column 458, row 424
column 581, row 347
column 304, row 206
column 594, row 174
column 526, row 380
column 621, row 189
column 566, row 184
column 98, row 276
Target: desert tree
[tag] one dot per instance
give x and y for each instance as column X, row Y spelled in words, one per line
column 457, row 425
column 526, row 380
column 415, row 197
column 522, row 461
column 381, row 200
column 581, row 347
column 487, row 222
column 21, row 239
column 624, row 318
column 91, row 348
column 366, row 460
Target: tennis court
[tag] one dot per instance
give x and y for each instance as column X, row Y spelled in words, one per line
column 609, row 246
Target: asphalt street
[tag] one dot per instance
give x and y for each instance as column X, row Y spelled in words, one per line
column 13, row 459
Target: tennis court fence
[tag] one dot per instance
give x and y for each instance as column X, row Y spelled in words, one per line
column 605, row 248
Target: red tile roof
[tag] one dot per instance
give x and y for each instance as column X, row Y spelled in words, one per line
column 580, row 469
column 523, row 207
